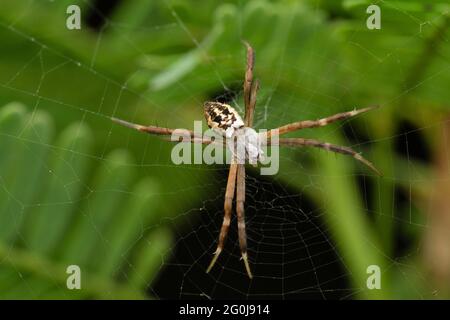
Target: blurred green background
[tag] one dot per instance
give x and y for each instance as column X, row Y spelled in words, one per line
column 77, row 189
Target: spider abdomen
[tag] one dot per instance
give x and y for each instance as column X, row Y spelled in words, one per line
column 222, row 118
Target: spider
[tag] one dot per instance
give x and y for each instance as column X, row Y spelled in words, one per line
column 227, row 121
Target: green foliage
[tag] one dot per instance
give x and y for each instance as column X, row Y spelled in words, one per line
column 155, row 62
column 50, row 207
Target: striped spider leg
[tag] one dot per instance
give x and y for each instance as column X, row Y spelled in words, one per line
column 301, row 142
column 226, row 120
column 223, row 117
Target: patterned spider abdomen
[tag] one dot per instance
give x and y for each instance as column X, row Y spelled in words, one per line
column 222, row 118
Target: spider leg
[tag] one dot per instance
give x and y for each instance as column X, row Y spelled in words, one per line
column 248, row 79
column 151, row 129
column 252, row 103
column 240, row 199
column 228, row 207
column 194, row 140
column 250, row 87
column 301, row 142
column 317, row 123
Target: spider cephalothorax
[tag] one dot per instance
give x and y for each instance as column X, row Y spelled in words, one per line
column 224, row 119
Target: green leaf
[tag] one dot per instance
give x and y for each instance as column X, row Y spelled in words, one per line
column 67, row 172
column 55, row 196
column 128, row 227
column 107, row 192
column 152, row 254
column 22, row 176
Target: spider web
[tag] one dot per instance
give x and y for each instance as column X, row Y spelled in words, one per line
column 293, row 249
